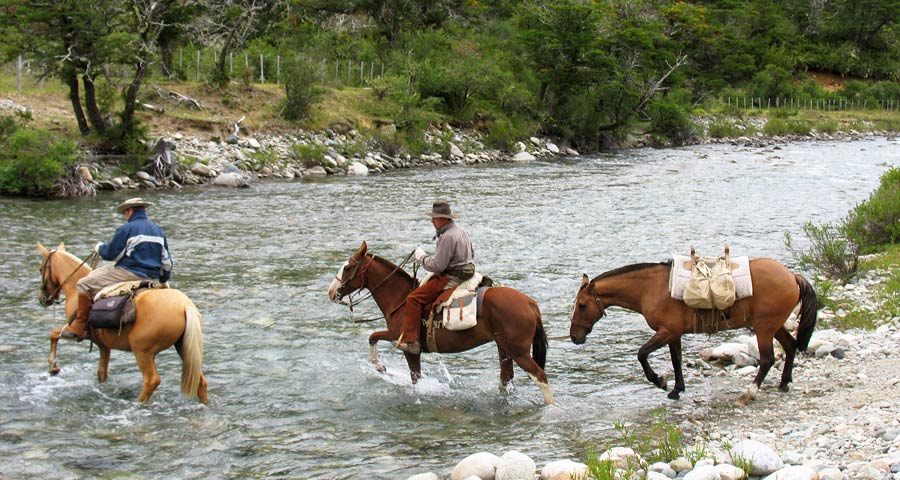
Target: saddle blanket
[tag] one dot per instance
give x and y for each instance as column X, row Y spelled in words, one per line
column 124, row 288
column 681, row 274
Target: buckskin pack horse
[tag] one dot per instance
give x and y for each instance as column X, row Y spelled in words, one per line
column 644, row 288
column 508, row 317
column 164, row 317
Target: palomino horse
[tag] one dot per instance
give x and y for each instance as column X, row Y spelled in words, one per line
column 164, row 317
column 508, row 317
column 644, row 288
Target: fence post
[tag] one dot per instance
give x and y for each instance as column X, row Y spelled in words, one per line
column 181, row 59
column 277, row 69
column 371, row 70
column 19, row 66
column 198, row 65
column 382, row 70
column 349, row 72
column 246, row 60
column 262, row 74
column 362, row 71
column 323, row 71
column 336, row 69
column 231, row 63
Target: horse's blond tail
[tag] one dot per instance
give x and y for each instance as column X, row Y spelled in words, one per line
column 191, row 352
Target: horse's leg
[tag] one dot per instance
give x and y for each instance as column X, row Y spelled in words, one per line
column 655, row 343
column 675, row 353
column 373, row 348
column 54, row 341
column 537, row 374
column 790, row 350
column 766, row 360
column 506, row 368
column 202, row 393
column 415, row 366
column 147, row 363
column 103, row 365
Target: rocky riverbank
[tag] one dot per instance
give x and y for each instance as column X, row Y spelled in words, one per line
column 840, row 421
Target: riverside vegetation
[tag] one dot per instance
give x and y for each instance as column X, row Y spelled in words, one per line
column 583, row 75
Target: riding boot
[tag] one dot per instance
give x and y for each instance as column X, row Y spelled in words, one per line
column 412, row 320
column 78, row 329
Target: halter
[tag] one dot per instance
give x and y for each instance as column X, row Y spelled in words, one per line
column 46, row 273
column 597, row 300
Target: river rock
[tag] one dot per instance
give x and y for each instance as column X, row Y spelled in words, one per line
column 317, row 171
column 565, row 470
column 455, row 152
column 660, row 475
column 481, row 465
column 357, row 168
column 424, row 476
column 730, row 472
column 794, row 472
column 523, row 157
column 201, row 169
column 706, row 472
column 515, row 465
column 765, row 460
column 681, row 464
column 553, row 148
column 663, row 468
column 623, row 457
column 143, row 176
column 230, row 180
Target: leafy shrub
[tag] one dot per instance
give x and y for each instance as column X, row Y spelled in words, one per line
column 301, row 91
column 779, row 126
column 772, row 82
column 877, row 220
column 830, row 252
column 828, row 126
column 31, row 161
column 669, row 119
column 309, row 155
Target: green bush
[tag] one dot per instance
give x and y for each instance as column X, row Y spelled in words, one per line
column 309, row 155
column 877, row 220
column 669, row 119
column 830, row 252
column 31, row 161
column 780, row 126
column 301, row 91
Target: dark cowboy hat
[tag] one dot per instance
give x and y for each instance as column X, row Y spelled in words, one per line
column 132, row 203
column 441, row 210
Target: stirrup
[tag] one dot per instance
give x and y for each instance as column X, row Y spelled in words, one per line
column 413, row 348
column 69, row 335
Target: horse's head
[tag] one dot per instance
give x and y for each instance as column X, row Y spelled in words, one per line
column 50, row 282
column 588, row 309
column 351, row 276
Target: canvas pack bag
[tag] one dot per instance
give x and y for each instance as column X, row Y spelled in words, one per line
column 109, row 312
column 462, row 313
column 721, row 284
column 697, row 291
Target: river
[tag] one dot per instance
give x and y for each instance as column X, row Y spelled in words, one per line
column 292, row 394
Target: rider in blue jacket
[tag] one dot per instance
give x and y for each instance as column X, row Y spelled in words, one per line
column 140, row 251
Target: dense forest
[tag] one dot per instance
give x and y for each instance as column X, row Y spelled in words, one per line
column 579, row 70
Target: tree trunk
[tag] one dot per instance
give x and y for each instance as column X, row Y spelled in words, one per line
column 165, row 59
column 90, row 102
column 131, row 98
column 71, row 81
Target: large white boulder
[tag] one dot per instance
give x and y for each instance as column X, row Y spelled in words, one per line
column 730, row 472
column 357, row 168
column 794, row 472
column 230, row 180
column 622, row 457
column 705, row 472
column 481, row 465
column 563, row 470
column 515, row 465
column 765, row 460
column 424, row 476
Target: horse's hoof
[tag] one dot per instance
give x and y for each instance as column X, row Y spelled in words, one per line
column 54, row 371
column 662, row 383
column 784, row 388
column 743, row 400
column 380, row 368
column 674, row 395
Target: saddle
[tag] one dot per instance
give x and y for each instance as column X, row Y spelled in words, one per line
column 459, row 307
column 114, row 305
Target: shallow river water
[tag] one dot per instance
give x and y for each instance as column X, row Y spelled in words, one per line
column 292, row 394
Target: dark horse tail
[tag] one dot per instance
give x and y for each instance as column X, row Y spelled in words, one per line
column 808, row 311
column 539, row 343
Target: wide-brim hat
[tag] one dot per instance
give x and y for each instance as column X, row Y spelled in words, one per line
column 132, row 203
column 441, row 210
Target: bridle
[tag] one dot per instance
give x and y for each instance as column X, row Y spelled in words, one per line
column 47, row 274
column 360, row 269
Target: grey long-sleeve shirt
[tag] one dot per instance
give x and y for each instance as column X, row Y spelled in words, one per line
column 454, row 249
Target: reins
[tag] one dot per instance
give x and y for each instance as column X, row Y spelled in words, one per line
column 54, row 297
column 352, row 301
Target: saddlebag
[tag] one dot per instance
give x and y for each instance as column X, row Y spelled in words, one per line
column 112, row 312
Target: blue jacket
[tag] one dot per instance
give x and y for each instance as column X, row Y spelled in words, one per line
column 140, row 246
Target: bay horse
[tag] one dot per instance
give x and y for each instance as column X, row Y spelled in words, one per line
column 644, row 288
column 164, row 317
column 508, row 317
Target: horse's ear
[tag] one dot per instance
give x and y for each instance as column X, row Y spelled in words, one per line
column 362, row 249
column 585, row 279
column 43, row 250
column 61, row 247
